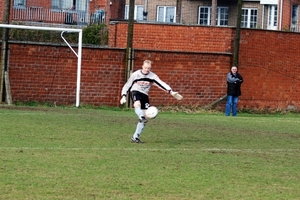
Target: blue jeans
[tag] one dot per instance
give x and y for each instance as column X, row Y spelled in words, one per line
column 231, row 105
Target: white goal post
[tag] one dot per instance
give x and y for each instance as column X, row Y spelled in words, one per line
column 62, row 30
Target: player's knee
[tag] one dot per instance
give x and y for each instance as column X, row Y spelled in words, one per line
column 137, row 104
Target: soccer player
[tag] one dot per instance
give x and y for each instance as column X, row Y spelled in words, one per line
column 139, row 84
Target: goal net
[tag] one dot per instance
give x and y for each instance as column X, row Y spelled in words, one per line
column 77, row 53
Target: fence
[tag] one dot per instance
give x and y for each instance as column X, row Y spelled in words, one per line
column 35, row 14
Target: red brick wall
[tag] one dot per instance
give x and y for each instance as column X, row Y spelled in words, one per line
column 286, row 17
column 49, row 74
column 39, row 73
column 199, row 77
column 117, row 9
column 173, row 37
column 1, row 11
column 269, row 63
column 269, row 60
column 38, row 3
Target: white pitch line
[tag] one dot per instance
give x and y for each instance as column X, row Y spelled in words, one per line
column 154, row 149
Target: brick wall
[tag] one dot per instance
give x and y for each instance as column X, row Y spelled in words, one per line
column 173, row 37
column 40, row 73
column 38, row 3
column 1, row 11
column 261, row 55
column 117, row 9
column 286, row 17
column 199, row 77
column 268, row 61
column 49, row 74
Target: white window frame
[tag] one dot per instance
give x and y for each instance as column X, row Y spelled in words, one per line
column 20, row 3
column 272, row 17
column 249, row 18
column 81, row 5
column 222, row 17
column 61, row 4
column 138, row 12
column 204, row 17
column 165, row 17
column 221, row 20
column 295, row 18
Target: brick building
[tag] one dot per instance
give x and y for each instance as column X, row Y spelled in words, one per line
column 261, row 14
column 79, row 12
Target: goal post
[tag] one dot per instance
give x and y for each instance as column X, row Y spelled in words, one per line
column 62, row 30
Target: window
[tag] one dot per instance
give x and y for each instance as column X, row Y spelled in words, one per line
column 205, row 16
column 166, row 14
column 62, row 4
column 222, row 16
column 249, row 18
column 272, row 17
column 19, row 3
column 80, row 5
column 295, row 14
column 138, row 12
column 294, row 25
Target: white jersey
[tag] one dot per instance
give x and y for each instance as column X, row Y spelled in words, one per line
column 142, row 83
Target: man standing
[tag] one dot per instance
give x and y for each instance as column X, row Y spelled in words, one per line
column 234, row 81
column 139, row 84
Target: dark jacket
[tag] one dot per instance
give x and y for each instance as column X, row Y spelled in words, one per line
column 234, row 84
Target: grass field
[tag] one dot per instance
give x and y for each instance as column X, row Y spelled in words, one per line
column 71, row 153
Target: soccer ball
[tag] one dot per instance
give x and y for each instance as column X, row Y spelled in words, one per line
column 151, row 112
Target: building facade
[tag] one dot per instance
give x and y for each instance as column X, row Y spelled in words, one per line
column 259, row 14
column 69, row 12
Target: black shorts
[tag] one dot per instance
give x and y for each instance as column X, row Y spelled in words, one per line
column 138, row 96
